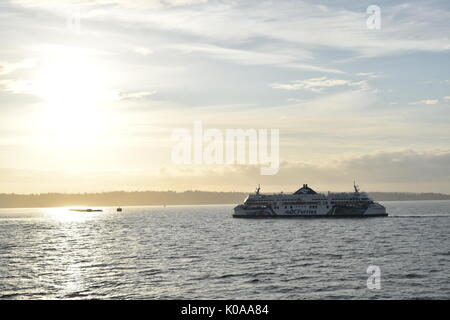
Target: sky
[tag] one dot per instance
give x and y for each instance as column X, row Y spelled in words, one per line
column 92, row 91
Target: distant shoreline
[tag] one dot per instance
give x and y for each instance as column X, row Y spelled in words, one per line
column 160, row 198
column 172, row 205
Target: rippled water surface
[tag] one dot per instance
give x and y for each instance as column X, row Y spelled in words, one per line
column 201, row 252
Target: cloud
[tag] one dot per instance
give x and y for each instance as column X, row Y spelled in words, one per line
column 201, row 58
column 399, row 167
column 256, row 57
column 296, row 24
column 7, row 68
column 310, row 26
column 142, row 51
column 426, row 101
column 402, row 166
column 380, row 171
column 16, row 86
column 135, row 95
column 370, row 74
column 134, row 4
column 319, row 84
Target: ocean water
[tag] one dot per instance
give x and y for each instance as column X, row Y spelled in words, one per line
column 200, row 252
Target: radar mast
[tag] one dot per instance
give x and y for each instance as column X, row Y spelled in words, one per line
column 356, row 187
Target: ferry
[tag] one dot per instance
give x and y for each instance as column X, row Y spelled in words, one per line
column 306, row 202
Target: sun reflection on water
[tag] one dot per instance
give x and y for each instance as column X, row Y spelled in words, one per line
column 63, row 214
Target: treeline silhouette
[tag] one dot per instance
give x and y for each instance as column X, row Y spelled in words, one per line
column 136, row 198
column 119, row 198
column 405, row 196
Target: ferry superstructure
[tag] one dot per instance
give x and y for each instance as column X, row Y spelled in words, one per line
column 305, row 202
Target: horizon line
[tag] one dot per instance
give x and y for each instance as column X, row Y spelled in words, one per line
column 195, row 190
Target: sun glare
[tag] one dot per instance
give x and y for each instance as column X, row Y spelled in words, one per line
column 74, row 91
column 63, row 214
column 74, row 80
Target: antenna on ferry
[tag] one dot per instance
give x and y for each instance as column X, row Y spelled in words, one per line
column 257, row 189
column 356, row 187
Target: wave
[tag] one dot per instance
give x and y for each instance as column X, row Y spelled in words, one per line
column 421, row 216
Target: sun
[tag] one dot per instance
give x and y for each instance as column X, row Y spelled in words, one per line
column 74, row 91
column 72, row 80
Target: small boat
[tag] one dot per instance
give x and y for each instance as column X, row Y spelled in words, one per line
column 119, row 209
column 86, row 210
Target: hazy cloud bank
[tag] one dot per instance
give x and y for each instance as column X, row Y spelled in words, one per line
column 405, row 170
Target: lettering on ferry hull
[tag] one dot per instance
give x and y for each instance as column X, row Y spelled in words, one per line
column 298, row 211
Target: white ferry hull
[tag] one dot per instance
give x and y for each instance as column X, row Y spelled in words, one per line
column 305, row 202
column 374, row 210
